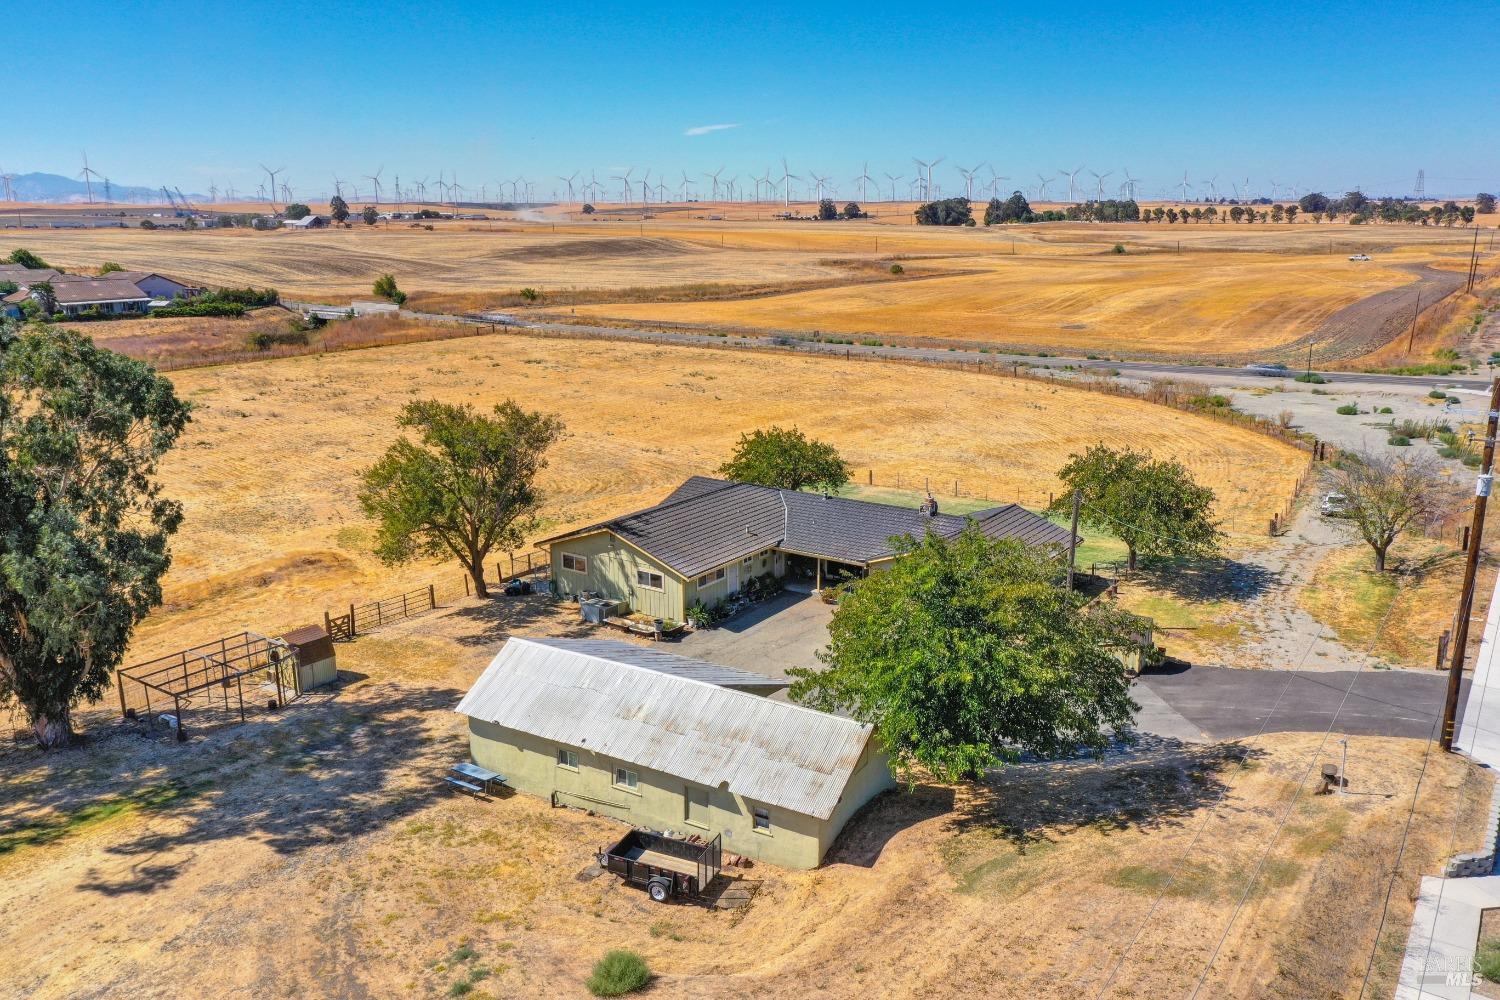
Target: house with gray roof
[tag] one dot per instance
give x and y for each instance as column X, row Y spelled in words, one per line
column 668, row 743
column 706, row 540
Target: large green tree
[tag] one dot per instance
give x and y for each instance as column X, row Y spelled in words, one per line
column 945, row 212
column 27, row 259
column 1153, row 506
column 338, row 208
column 464, row 487
column 967, row 653
column 83, row 523
column 787, row 459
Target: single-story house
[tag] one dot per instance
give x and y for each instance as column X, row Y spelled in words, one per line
column 75, row 295
column 306, row 222
column 157, row 285
column 670, row 743
column 704, row 541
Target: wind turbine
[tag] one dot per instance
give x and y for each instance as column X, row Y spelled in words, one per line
column 685, row 183
column 813, row 178
column 1129, row 185
column 375, row 180
column 1099, row 181
column 893, row 178
column 88, row 173
column 862, row 180
column 1275, row 190
column 1213, row 186
column 786, row 179
column 715, row 176
column 272, row 174
column 1041, row 186
column 1184, row 186
column 968, row 176
column 1072, row 185
column 926, row 178
column 625, row 180
column 569, row 182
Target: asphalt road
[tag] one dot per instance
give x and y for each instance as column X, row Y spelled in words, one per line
column 1227, row 703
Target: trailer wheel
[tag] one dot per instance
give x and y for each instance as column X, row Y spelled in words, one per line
column 660, row 891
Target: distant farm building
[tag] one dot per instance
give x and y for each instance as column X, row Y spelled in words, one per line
column 115, row 292
column 709, row 537
column 671, row 743
column 306, row 222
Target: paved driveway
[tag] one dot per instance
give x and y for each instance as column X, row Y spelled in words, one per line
column 783, row 632
column 1226, row 703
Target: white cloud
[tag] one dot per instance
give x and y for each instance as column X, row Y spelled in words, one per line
column 706, row 129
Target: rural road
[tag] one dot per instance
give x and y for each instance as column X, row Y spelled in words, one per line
column 1142, row 369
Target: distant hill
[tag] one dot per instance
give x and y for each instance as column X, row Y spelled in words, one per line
column 56, row 188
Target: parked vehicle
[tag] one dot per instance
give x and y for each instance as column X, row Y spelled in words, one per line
column 666, row 867
column 1334, row 505
column 1359, row 256
column 1273, row 369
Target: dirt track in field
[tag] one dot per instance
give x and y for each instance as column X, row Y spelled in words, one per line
column 1378, row 319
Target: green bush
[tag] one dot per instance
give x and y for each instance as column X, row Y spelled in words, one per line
column 1487, row 959
column 530, row 294
column 1399, row 440
column 1437, row 394
column 385, row 287
column 264, row 340
column 1348, row 409
column 897, row 269
column 619, row 972
column 1386, row 409
column 1119, row 248
column 250, row 298
column 1312, row 377
column 205, row 306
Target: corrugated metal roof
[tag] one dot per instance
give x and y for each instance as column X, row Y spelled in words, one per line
column 772, row 752
column 705, row 523
column 654, row 658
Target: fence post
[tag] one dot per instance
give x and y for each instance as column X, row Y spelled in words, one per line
column 512, row 563
column 327, row 622
column 499, row 572
column 871, row 477
column 528, row 562
column 403, row 606
column 466, row 585
column 431, row 596
column 351, row 619
column 1465, row 546
column 1442, row 649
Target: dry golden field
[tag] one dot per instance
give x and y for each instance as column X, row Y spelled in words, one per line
column 1215, row 291
column 311, row 855
column 268, row 470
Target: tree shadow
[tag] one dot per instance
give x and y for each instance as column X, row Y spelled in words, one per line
column 872, row 827
column 319, row 772
column 490, row 622
column 1214, row 579
column 1160, row 783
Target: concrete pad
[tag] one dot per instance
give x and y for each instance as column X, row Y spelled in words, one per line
column 1444, row 934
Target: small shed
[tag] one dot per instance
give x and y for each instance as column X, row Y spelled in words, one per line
column 316, row 663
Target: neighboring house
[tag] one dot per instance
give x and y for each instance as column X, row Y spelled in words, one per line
column 158, row 286
column 75, row 294
column 669, row 743
column 306, row 222
column 704, row 542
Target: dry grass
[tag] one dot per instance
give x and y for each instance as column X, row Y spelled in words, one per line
column 312, row 856
column 1199, row 290
column 268, row 470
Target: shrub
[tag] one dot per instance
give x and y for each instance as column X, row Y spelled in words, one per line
column 1399, row 440
column 530, row 294
column 250, row 298
column 1437, row 394
column 1487, row 959
column 385, row 287
column 1386, row 409
column 897, row 269
column 1119, row 248
column 109, row 267
column 1348, row 409
column 264, row 340
column 619, row 972
column 28, row 260
column 1312, row 377
column 205, row 306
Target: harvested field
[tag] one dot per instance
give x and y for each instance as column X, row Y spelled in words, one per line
column 1206, row 291
column 268, row 469
column 313, row 856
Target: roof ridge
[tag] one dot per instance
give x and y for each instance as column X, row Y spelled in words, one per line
column 759, row 699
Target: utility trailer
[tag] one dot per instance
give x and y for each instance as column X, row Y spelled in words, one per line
column 665, row 867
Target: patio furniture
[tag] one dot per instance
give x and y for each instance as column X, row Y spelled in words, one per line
column 471, row 776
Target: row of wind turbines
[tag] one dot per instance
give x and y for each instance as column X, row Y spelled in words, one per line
column 625, row 188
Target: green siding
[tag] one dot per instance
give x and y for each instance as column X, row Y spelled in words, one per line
column 659, row 800
column 612, row 567
column 714, row 591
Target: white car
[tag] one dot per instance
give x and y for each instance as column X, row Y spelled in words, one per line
column 1360, row 256
column 1334, row 505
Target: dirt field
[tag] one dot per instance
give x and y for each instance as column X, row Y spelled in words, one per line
column 267, row 471
column 313, row 855
column 1211, row 291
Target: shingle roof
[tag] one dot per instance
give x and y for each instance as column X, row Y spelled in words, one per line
column 134, row 276
column 668, row 663
column 772, row 752
column 705, row 523
column 96, row 290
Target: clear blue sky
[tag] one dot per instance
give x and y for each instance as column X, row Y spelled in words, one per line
column 1328, row 96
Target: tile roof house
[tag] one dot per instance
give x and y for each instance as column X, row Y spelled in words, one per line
column 709, row 536
column 665, row 742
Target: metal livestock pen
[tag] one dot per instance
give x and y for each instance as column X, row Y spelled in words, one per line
column 204, row 677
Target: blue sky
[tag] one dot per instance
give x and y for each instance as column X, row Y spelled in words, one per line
column 1318, row 96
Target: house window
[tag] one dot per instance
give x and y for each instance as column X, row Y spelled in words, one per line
column 718, row 575
column 575, row 564
column 697, row 805
column 567, row 758
column 705, row 579
column 626, row 779
column 649, row 580
column 762, row 820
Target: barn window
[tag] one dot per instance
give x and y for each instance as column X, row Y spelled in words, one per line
column 575, row 564
column 626, row 779
column 649, row 580
column 567, row 758
column 763, row 820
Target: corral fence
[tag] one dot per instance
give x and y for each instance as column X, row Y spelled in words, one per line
column 345, row 623
column 216, row 677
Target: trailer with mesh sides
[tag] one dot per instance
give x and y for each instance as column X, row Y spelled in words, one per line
column 666, row 867
column 217, row 682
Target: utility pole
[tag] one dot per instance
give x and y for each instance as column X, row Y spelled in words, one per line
column 1412, row 339
column 1309, row 362
column 1471, row 566
column 1473, row 261
column 1073, row 535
